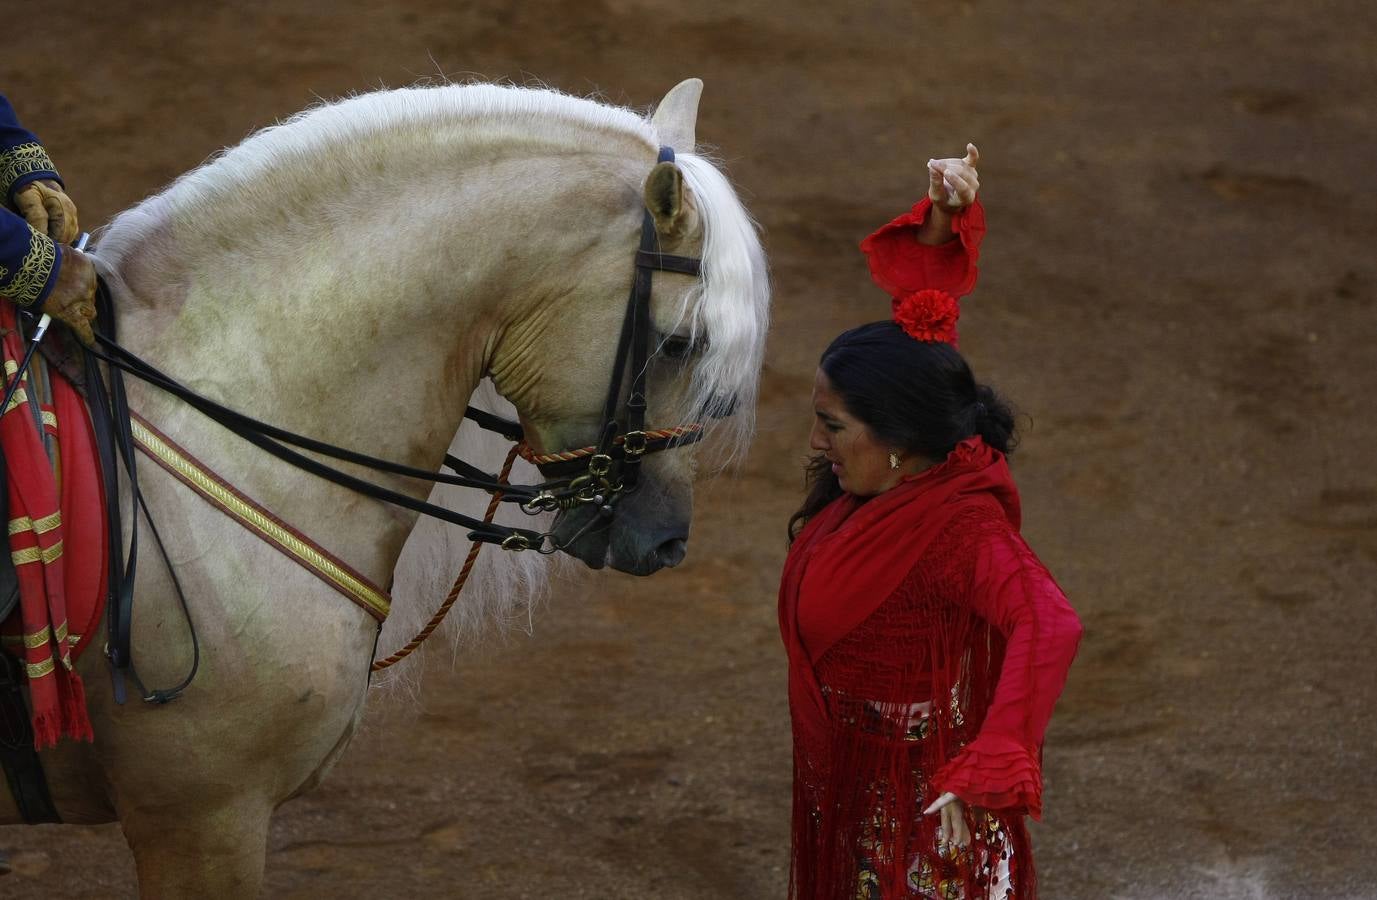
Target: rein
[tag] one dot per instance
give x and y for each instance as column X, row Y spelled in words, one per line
column 598, row 474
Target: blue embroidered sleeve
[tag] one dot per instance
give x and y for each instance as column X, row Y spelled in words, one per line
column 29, row 262
column 22, row 157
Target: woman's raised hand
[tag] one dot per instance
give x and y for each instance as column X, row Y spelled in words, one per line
column 953, row 183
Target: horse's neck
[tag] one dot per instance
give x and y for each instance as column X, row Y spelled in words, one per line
column 360, row 315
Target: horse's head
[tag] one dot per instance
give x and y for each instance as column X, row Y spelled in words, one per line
column 555, row 360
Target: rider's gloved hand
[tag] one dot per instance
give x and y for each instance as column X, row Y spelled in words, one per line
column 46, row 207
column 72, row 300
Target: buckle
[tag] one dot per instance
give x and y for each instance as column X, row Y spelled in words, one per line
column 516, row 543
column 542, row 502
column 599, row 464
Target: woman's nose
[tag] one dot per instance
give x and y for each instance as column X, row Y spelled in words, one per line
column 817, row 440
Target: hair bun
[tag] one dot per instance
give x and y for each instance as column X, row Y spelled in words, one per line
column 994, row 419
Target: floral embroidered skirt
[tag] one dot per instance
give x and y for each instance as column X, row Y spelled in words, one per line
column 939, row 875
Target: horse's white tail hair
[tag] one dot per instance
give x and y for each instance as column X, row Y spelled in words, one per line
column 504, row 588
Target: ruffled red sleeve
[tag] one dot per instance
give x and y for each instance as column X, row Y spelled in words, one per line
column 1002, row 768
column 901, row 265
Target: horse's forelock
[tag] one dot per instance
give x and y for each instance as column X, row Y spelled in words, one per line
column 729, row 307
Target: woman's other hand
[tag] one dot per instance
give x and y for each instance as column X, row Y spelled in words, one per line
column 953, row 829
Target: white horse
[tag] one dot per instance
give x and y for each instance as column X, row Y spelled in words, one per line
column 352, row 274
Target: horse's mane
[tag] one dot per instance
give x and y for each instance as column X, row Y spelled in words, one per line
column 728, row 309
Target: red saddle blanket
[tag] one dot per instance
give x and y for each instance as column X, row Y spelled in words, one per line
column 57, row 537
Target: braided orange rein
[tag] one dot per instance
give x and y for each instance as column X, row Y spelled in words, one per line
column 463, row 577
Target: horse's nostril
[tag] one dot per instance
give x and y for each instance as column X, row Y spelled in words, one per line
column 671, row 553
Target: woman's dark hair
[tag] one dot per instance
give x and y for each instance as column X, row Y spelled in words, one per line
column 919, row 396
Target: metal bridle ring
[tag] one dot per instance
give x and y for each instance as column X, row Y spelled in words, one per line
column 634, row 443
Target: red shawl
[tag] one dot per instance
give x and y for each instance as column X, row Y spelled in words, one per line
column 926, row 647
column 57, row 541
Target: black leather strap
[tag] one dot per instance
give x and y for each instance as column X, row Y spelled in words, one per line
column 665, row 262
column 23, row 768
column 239, row 423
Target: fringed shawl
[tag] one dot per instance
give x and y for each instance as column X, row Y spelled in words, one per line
column 926, row 647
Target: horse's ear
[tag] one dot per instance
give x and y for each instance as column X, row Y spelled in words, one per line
column 677, row 115
column 664, row 197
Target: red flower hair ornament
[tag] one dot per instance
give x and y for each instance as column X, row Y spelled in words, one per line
column 927, row 315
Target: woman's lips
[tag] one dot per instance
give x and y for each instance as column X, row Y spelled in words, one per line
column 836, row 468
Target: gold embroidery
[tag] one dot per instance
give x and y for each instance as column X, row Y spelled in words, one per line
column 61, row 632
column 50, row 419
column 26, row 284
column 12, row 369
column 253, row 519
column 40, row 526
column 19, row 399
column 3, row 272
column 27, row 555
column 35, row 640
column 38, row 670
column 17, row 162
column 52, row 553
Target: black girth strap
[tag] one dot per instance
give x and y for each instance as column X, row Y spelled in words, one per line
column 23, row 768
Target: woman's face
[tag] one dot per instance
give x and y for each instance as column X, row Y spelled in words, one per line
column 859, row 460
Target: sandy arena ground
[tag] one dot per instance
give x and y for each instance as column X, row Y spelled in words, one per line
column 1178, row 290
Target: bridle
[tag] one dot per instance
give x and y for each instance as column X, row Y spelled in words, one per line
column 599, row 475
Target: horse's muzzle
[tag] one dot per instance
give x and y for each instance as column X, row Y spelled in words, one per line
column 646, row 534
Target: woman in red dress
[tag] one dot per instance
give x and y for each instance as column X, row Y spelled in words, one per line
column 927, row 644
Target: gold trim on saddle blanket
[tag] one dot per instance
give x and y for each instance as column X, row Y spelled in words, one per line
column 38, row 638
column 47, row 555
column 21, row 396
column 258, row 520
column 42, row 525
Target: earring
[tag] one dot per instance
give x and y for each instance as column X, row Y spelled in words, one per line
column 894, row 459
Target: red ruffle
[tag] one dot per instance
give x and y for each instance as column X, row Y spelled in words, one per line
column 901, row 265
column 994, row 772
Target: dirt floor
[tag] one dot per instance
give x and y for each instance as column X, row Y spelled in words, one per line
column 1178, row 290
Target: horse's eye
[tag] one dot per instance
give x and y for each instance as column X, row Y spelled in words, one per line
column 677, row 347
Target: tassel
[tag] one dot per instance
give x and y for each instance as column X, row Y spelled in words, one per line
column 76, row 722
column 45, row 732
